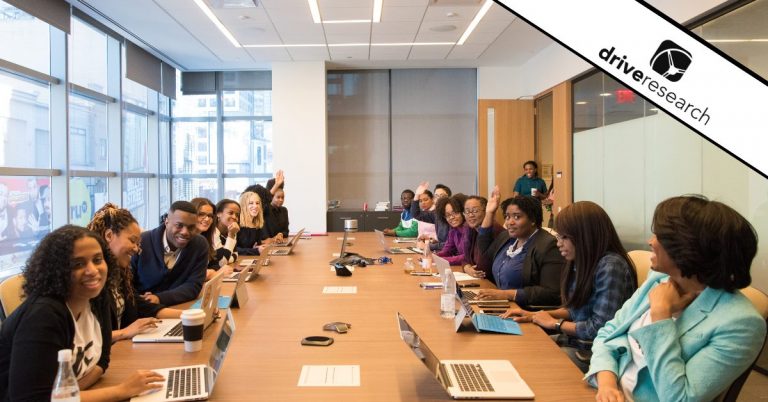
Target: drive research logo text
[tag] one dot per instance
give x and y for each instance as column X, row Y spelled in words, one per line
column 671, row 60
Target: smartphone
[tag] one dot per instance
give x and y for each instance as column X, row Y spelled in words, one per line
column 317, row 341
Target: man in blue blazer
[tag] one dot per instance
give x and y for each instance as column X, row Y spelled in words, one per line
column 171, row 266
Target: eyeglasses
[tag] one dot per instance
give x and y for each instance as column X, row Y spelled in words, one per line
column 203, row 215
column 472, row 212
column 562, row 237
column 452, row 215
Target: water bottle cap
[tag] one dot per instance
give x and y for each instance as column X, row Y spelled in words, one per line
column 65, row 355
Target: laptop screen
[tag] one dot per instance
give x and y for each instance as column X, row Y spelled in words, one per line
column 419, row 347
column 220, row 347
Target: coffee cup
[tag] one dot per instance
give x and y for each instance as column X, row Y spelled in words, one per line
column 534, row 192
column 192, row 322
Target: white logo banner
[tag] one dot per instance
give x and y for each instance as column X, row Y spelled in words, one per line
column 664, row 63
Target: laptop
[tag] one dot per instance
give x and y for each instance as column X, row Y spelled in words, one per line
column 467, row 379
column 298, row 234
column 169, row 329
column 427, row 230
column 194, row 383
column 249, row 273
column 472, row 297
column 286, row 251
column 484, row 322
column 393, row 250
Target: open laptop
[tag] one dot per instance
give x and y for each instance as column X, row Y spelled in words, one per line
column 169, row 329
column 393, row 250
column 484, row 322
column 288, row 250
column 467, row 379
column 427, row 230
column 289, row 243
column 249, row 273
column 194, row 383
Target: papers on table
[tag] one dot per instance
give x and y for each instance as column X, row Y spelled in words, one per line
column 347, row 290
column 330, row 376
column 463, row 276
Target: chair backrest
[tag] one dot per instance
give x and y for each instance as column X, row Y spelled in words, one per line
column 760, row 301
column 642, row 261
column 10, row 294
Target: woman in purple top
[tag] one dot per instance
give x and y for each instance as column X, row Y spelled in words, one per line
column 450, row 211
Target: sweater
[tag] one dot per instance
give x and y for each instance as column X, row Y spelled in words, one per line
column 173, row 286
column 30, row 340
column 453, row 250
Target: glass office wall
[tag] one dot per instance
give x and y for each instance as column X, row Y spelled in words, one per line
column 628, row 156
column 389, row 130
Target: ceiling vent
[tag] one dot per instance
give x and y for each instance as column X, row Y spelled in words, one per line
column 454, row 3
column 232, row 4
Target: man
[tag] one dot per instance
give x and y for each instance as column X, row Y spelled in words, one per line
column 407, row 226
column 171, row 267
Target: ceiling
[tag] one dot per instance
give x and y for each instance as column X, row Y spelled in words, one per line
column 179, row 32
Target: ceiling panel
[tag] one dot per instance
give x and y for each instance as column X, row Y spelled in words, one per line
column 308, row 53
column 463, row 13
column 392, row 38
column 390, row 28
column 346, row 13
column 274, row 54
column 344, row 3
column 283, row 3
column 391, row 14
column 466, row 52
column 390, row 52
column 429, row 52
column 349, row 52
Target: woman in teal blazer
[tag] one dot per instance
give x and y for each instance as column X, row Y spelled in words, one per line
column 687, row 333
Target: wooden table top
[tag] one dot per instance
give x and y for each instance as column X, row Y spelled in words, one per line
column 286, row 304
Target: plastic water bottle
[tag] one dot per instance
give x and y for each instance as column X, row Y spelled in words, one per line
column 408, row 266
column 448, row 297
column 426, row 259
column 65, row 388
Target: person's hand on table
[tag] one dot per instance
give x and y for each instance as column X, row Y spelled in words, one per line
column 544, row 320
column 473, row 272
column 389, row 232
column 518, row 314
column 138, row 326
column 491, row 294
column 148, row 296
column 141, row 381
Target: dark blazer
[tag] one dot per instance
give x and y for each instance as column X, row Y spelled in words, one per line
column 178, row 285
column 247, row 238
column 542, row 267
column 30, row 340
column 280, row 218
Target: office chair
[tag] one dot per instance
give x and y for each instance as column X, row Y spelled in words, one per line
column 760, row 301
column 11, row 294
column 642, row 261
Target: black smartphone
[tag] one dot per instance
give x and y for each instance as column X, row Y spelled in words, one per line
column 317, row 341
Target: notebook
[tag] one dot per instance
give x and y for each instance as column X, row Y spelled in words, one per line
column 286, row 251
column 192, row 383
column 393, row 250
column 467, row 379
column 169, row 330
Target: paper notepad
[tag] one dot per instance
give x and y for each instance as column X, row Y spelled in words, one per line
column 330, row 376
column 340, row 290
column 462, row 276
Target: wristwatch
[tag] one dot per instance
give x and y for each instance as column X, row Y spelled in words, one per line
column 558, row 324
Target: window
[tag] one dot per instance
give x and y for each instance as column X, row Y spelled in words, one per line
column 24, row 122
column 88, row 57
column 25, row 39
column 87, row 134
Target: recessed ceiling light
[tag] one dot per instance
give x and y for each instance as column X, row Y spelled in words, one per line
column 443, row 28
column 451, row 14
column 472, row 25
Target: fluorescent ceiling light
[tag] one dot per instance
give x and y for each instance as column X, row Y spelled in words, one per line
column 315, row 10
column 346, row 21
column 472, row 25
column 356, row 44
column 606, row 94
column 581, row 102
column 377, row 5
column 207, row 11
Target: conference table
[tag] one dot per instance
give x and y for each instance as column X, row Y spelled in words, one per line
column 287, row 303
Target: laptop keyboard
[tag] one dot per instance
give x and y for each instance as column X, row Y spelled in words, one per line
column 491, row 323
column 469, row 295
column 471, row 378
column 183, row 382
column 175, row 331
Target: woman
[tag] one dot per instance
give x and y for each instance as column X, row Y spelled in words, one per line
column 253, row 236
column 530, row 183
column 68, row 280
column 476, row 263
column 206, row 227
column 450, row 211
column 425, row 210
column 129, row 314
column 526, row 262
column 687, row 333
column 442, row 191
column 280, row 213
column 266, row 194
column 226, row 231
column 599, row 278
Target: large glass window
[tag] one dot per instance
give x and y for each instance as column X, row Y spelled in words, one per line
column 25, row 39
column 135, row 143
column 24, row 123
column 88, row 138
column 88, row 57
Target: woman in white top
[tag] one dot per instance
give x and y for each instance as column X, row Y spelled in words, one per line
column 68, row 280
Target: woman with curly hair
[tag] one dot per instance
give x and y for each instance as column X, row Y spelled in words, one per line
column 129, row 314
column 68, row 280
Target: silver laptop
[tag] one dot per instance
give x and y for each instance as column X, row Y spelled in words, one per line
column 249, row 273
column 286, row 251
column 194, row 383
column 467, row 379
column 393, row 250
column 169, row 330
column 296, row 236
